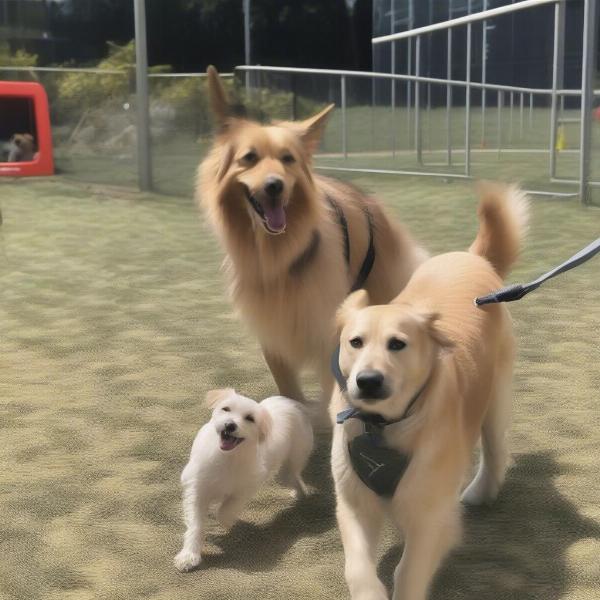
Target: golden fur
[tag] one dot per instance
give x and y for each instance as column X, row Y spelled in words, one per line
column 463, row 356
column 287, row 287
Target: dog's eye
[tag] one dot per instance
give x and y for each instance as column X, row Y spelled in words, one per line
column 356, row 342
column 288, row 159
column 395, row 345
column 250, row 418
column 226, row 409
column 250, row 157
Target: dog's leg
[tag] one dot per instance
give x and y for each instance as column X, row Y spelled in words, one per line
column 427, row 541
column 231, row 507
column 285, row 376
column 292, row 470
column 194, row 511
column 322, row 418
column 360, row 526
column 494, row 456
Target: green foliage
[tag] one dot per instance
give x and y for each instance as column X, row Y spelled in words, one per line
column 88, row 90
column 20, row 58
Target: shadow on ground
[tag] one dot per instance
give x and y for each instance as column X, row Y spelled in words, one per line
column 520, row 542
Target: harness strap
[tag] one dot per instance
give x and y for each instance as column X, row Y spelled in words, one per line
column 367, row 265
column 343, row 224
column 369, row 260
column 518, row 290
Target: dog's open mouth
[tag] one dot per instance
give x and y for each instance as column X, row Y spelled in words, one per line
column 229, row 442
column 272, row 217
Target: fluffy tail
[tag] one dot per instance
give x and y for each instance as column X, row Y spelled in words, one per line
column 503, row 215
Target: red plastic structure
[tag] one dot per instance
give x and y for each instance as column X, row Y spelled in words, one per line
column 24, row 109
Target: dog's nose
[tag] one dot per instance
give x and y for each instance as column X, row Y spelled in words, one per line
column 369, row 381
column 230, row 427
column 273, row 186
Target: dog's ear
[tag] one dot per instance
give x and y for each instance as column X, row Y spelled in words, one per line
column 28, row 137
column 217, row 97
column 439, row 337
column 264, row 423
column 213, row 397
column 311, row 129
column 354, row 302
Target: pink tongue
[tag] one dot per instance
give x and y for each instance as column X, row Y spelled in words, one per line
column 228, row 444
column 275, row 218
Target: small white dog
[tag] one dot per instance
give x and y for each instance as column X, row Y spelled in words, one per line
column 244, row 444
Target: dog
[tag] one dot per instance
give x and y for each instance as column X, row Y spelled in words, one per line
column 245, row 444
column 21, row 148
column 295, row 241
column 427, row 375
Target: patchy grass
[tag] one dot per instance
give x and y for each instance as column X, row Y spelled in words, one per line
column 114, row 323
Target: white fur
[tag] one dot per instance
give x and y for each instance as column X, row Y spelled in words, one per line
column 279, row 440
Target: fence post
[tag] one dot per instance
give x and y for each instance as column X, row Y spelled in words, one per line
column 557, row 77
column 294, row 98
column 468, row 104
column 587, row 96
column 510, row 121
column 144, row 162
column 418, row 140
column 449, row 99
column 393, row 99
column 500, row 102
column 483, row 74
column 521, row 117
column 344, row 124
column 530, row 111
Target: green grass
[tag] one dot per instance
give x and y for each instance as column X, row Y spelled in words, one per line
column 114, row 323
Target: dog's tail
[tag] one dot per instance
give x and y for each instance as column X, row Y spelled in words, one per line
column 503, row 216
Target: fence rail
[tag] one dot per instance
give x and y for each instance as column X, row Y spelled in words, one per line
column 418, row 95
column 586, row 91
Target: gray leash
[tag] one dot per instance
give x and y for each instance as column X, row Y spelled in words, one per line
column 518, row 290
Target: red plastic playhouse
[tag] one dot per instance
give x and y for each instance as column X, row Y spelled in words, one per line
column 24, row 109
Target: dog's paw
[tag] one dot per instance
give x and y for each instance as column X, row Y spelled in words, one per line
column 299, row 489
column 186, row 561
column 481, row 491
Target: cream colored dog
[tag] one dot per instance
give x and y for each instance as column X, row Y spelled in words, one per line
column 441, row 368
column 244, row 444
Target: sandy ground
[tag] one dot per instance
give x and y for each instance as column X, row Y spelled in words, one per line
column 114, row 323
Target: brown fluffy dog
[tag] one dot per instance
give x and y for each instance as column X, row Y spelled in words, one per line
column 446, row 365
column 22, row 148
column 284, row 243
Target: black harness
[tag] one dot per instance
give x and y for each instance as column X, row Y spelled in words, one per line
column 367, row 264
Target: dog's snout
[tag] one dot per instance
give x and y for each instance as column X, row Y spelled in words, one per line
column 230, row 427
column 273, row 186
column 369, row 381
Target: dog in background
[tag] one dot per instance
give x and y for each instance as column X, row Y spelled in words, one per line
column 243, row 446
column 439, row 371
column 21, row 148
column 295, row 241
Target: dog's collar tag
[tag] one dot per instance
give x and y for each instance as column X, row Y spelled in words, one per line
column 380, row 468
